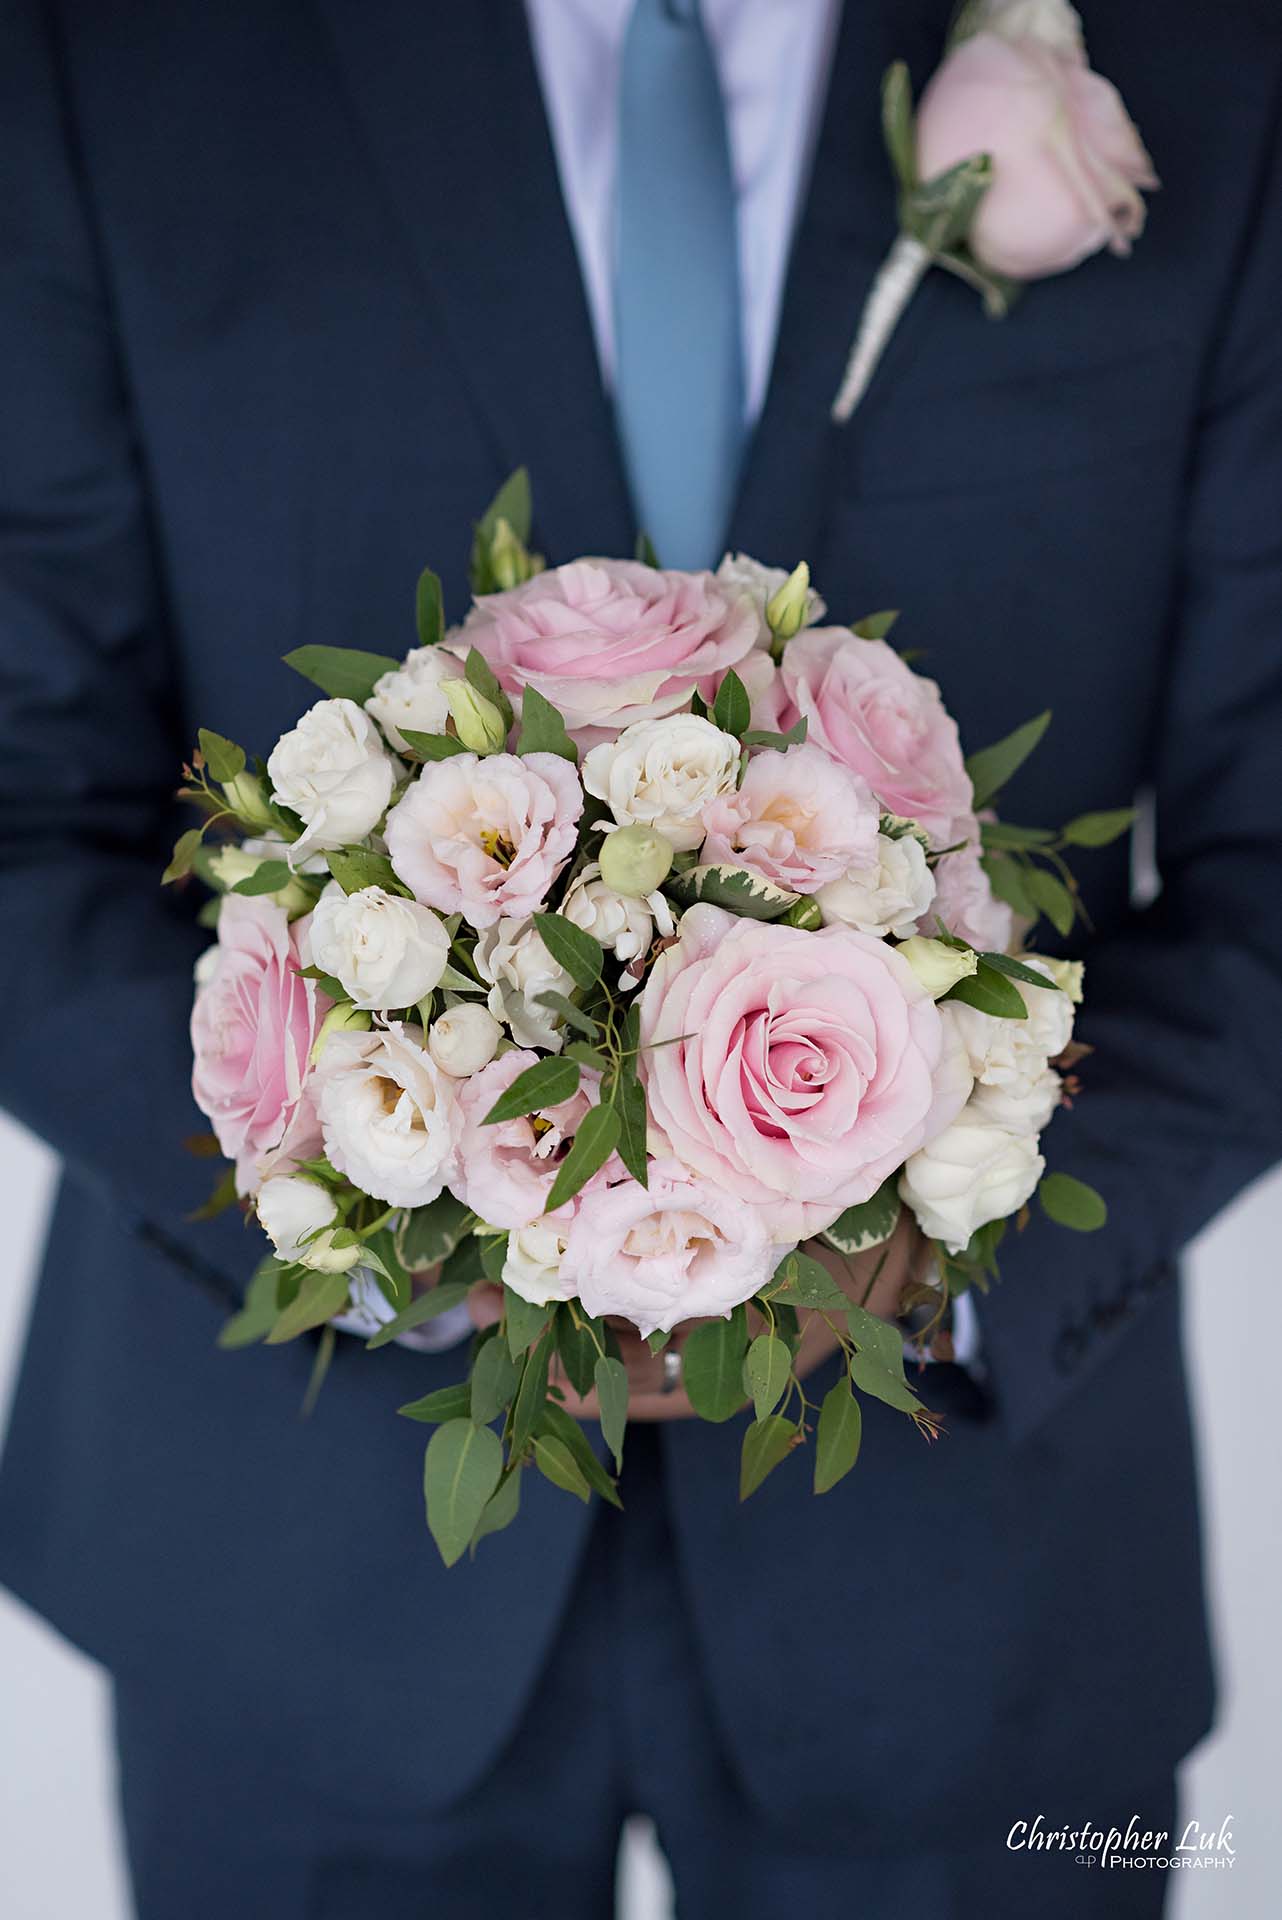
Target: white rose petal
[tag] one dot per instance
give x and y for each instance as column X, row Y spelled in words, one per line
column 294, row 1213
column 388, row 952
column 390, row 1117
column 1024, row 1106
column 517, row 966
column 464, row 1039
column 411, row 696
column 969, row 1174
column 333, row 770
column 532, row 1266
column 1014, row 1053
column 621, row 922
column 663, row 773
column 888, row 899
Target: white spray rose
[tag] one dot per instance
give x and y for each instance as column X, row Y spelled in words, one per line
column 464, row 1039
column 290, row 1209
column 513, row 960
column 1025, row 1106
column 888, row 899
column 333, row 770
column 389, row 1116
column 411, row 695
column 532, row 1266
column 663, row 773
column 969, row 1174
column 623, row 923
column 387, row 952
column 1014, row 1053
column 761, row 584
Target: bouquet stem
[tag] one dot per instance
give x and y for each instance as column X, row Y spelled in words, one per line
column 894, row 287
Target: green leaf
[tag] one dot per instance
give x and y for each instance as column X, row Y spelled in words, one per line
column 318, row 1299
column 425, row 1235
column 625, row 1094
column 732, row 709
column 381, row 1252
column 357, row 868
column 460, row 1472
column 897, row 126
column 582, row 957
column 1002, row 834
column 422, row 1308
column 804, row 1282
column 762, row 737
column 765, row 1444
column 594, row 1142
column 514, row 502
column 543, row 729
column 523, row 1320
column 712, row 1366
column 429, row 609
column 501, row 1508
column 1099, row 829
column 567, row 1429
column 223, row 1196
column 344, row 673
column 531, row 1394
column 578, row 1351
column 643, row 550
column 993, row 766
column 447, row 1403
column 765, row 1373
column 545, row 1084
column 837, row 1436
column 1071, row 1203
column 868, row 1224
column 269, row 876
column 875, row 626
column 733, row 888
column 1016, row 970
column 556, row 1463
column 493, row 1249
column 319, row 1373
column 1007, row 878
column 572, row 1015
column 493, row 1381
column 258, row 1314
column 878, row 1366
column 223, row 758
column 183, row 858
column 610, row 1377
column 940, row 212
column 990, row 992
column 431, row 746
column 590, row 1057
column 1053, row 897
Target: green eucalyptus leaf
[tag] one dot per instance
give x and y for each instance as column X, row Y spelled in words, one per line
column 1099, row 829
column 993, row 766
column 556, row 1463
column 429, row 609
column 1053, row 897
column 356, row 868
column 805, row 1282
column 595, row 1140
column 624, row 1092
column 545, row 1084
column 531, row 1393
column 523, row 1321
column 765, row 1373
column 183, row 858
column 494, row 1380
column 1071, row 1203
column 610, row 1378
column 582, row 957
column 269, row 876
column 712, row 1366
column 344, row 673
column 319, row 1298
column 447, row 1403
column 567, row 1429
column 431, row 746
column 578, row 1351
column 425, row 1235
column 765, row 1443
column 875, row 626
column 1007, row 878
column 837, row 1436
column 223, row 758
column 460, row 1472
column 257, row 1316
column 500, row 1510
column 573, row 1016
column 878, row 1365
column 422, row 1308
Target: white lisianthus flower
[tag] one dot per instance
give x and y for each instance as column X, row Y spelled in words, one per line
column 663, row 773
column 938, row 967
column 517, row 966
column 464, row 1039
column 1014, row 1053
column 389, row 1116
column 388, row 952
column 298, row 1216
column 333, row 770
column 971, row 1173
column 411, row 696
column 1025, row 1106
column 886, row 899
column 623, row 923
column 532, row 1267
column 761, row 584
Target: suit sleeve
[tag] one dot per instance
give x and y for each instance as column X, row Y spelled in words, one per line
column 95, row 963
column 1183, row 1100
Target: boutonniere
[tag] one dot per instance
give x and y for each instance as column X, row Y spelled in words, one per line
column 1019, row 162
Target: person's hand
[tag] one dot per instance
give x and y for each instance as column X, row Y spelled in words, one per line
column 877, row 1280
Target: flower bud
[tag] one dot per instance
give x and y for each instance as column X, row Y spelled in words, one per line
column 246, row 795
column 805, row 913
column 464, row 1039
column 786, row 610
column 635, row 861
column 232, row 864
column 298, row 1218
column 936, row 965
column 511, row 562
column 344, row 1018
column 477, row 721
column 1067, row 975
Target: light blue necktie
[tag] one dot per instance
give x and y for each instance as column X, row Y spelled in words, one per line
column 679, row 354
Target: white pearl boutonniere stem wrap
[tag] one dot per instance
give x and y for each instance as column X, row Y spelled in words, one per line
column 1019, row 162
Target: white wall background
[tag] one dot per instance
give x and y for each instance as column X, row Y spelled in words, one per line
column 58, row 1840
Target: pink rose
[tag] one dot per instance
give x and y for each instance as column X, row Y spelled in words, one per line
column 506, row 1171
column 252, row 1029
column 486, row 837
column 1068, row 162
column 799, row 820
column 678, row 1249
column 811, row 1064
column 965, row 902
column 611, row 641
column 874, row 714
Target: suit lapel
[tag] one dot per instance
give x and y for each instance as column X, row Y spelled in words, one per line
column 452, row 111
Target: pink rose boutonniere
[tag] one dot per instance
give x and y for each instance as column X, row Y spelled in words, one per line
column 1020, row 162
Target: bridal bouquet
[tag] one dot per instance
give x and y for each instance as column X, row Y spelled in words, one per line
column 614, row 947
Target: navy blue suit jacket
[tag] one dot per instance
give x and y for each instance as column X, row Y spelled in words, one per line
column 286, row 289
